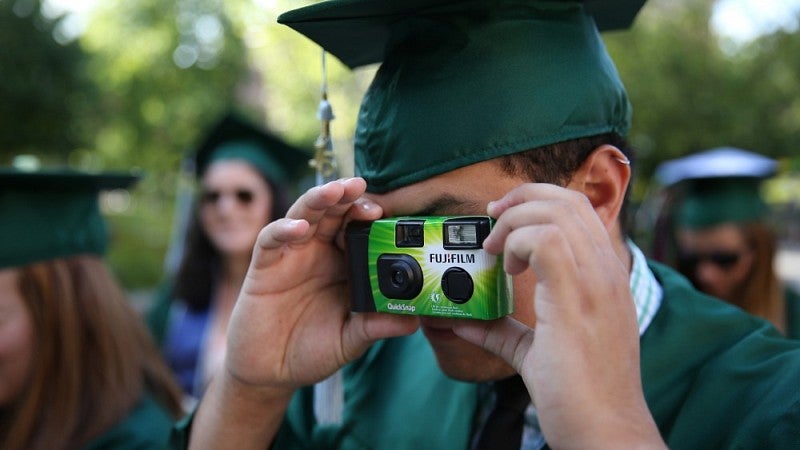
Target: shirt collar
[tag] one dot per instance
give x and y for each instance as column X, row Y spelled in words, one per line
column 645, row 289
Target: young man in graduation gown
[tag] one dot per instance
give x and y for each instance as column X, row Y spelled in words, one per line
column 511, row 108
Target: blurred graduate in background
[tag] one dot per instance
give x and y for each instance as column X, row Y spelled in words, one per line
column 718, row 225
column 245, row 180
column 78, row 368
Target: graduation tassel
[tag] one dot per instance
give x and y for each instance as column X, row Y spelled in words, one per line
column 328, row 393
column 324, row 161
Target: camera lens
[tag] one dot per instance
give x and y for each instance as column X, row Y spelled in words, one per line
column 399, row 276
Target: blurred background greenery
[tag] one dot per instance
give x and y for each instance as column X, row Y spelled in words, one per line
column 131, row 85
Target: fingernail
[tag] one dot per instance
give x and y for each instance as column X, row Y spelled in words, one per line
column 366, row 204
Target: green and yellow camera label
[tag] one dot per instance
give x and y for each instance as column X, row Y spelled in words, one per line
column 431, row 280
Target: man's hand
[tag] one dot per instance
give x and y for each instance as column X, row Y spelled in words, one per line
column 581, row 364
column 292, row 324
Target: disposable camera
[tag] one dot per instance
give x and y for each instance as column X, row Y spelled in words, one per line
column 428, row 266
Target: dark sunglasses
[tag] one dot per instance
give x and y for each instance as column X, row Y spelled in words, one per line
column 243, row 196
column 722, row 259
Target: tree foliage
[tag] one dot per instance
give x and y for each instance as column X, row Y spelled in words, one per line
column 44, row 90
column 692, row 90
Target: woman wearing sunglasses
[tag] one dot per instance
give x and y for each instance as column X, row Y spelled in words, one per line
column 724, row 243
column 242, row 174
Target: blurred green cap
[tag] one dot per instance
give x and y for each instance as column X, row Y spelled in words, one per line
column 715, row 201
column 719, row 185
column 53, row 214
column 466, row 81
column 233, row 137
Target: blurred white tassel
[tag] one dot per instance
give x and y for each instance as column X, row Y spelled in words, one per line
column 328, row 393
column 324, row 161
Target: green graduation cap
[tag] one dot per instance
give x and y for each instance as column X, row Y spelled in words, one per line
column 53, row 214
column 720, row 185
column 466, row 81
column 235, row 138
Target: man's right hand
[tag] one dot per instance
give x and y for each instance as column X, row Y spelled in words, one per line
column 292, row 324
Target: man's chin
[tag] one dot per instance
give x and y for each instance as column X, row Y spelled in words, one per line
column 477, row 370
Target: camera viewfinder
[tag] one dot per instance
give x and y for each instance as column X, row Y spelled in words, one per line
column 409, row 233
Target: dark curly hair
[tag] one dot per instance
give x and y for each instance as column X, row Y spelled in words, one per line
column 557, row 163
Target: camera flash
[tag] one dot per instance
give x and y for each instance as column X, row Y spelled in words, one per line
column 462, row 234
column 465, row 233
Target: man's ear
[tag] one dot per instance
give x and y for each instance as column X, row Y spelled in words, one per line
column 603, row 178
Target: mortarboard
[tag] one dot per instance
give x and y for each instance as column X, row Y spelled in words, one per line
column 719, row 185
column 720, row 162
column 235, row 138
column 53, row 214
column 466, row 81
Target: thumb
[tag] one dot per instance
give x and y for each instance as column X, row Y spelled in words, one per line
column 505, row 337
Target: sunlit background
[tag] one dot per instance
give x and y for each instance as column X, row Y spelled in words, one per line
column 132, row 85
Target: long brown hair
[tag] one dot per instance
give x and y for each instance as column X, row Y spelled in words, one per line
column 94, row 358
column 762, row 293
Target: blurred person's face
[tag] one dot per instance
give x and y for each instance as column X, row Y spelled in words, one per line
column 718, row 259
column 455, row 193
column 236, row 205
column 16, row 339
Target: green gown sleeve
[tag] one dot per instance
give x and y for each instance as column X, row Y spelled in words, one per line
column 716, row 377
column 147, row 427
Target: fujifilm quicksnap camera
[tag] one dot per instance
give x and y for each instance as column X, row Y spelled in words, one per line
column 430, row 266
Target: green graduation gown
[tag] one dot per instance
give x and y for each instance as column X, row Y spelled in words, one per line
column 395, row 398
column 147, row 427
column 713, row 377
